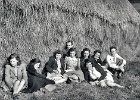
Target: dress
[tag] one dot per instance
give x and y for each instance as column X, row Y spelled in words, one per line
column 73, row 67
column 36, row 80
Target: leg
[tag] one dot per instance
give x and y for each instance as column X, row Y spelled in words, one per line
column 9, row 83
column 50, row 87
column 102, row 83
column 21, row 85
column 61, row 80
column 74, row 78
column 16, row 85
column 112, row 84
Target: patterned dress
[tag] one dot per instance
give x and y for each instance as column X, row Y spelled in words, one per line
column 73, row 67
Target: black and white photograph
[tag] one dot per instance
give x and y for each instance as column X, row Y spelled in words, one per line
column 69, row 49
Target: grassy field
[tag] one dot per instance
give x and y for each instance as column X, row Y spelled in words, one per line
column 84, row 91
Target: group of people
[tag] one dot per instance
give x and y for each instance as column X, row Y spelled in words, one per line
column 63, row 66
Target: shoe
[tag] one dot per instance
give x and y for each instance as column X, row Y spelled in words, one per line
column 68, row 81
column 15, row 96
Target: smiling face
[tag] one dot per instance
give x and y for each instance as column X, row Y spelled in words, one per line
column 58, row 56
column 86, row 54
column 37, row 65
column 113, row 51
column 97, row 55
column 13, row 62
column 89, row 65
column 72, row 54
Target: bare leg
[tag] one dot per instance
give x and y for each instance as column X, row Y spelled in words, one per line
column 102, row 83
column 20, row 87
column 16, row 85
column 60, row 80
column 74, row 78
column 50, row 87
column 112, row 84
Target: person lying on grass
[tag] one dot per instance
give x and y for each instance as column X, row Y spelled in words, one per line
column 36, row 81
column 95, row 76
column 55, row 68
column 15, row 74
column 85, row 54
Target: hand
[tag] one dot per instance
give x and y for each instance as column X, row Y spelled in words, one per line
column 55, row 71
column 121, row 68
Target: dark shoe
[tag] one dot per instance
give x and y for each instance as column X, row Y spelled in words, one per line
column 15, row 96
column 119, row 75
column 68, row 81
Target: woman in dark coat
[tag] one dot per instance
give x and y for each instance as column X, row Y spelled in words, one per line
column 36, row 80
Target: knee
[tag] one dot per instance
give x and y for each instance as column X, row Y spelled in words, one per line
column 102, row 84
column 17, row 81
column 124, row 62
column 23, row 81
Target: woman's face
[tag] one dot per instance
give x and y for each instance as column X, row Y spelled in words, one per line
column 13, row 62
column 97, row 55
column 89, row 65
column 37, row 65
column 72, row 54
column 58, row 56
column 86, row 54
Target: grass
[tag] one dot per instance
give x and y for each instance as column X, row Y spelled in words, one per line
column 84, row 91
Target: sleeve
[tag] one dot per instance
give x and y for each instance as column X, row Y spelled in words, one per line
column 24, row 73
column 100, row 62
column 101, row 70
column 78, row 64
column 7, row 72
column 119, row 57
column 91, row 75
column 49, row 65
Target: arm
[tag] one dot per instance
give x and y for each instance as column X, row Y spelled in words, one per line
column 119, row 57
column 49, row 65
column 24, row 73
column 78, row 64
column 121, row 64
column 8, row 76
column 101, row 70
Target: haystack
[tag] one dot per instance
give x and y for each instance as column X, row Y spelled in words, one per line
column 35, row 28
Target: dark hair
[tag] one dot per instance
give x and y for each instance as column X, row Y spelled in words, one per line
column 97, row 51
column 14, row 55
column 69, row 41
column 30, row 66
column 34, row 61
column 57, row 52
column 85, row 49
column 88, row 61
column 113, row 47
column 71, row 50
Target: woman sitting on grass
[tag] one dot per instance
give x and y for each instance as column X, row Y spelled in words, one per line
column 36, row 80
column 15, row 74
column 55, row 68
column 73, row 66
column 95, row 76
